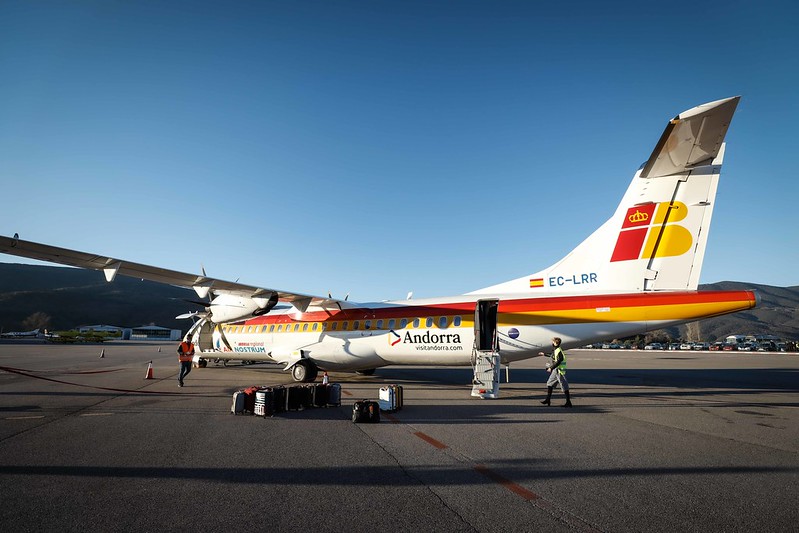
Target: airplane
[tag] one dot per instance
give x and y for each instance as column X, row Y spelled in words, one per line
column 20, row 334
column 639, row 271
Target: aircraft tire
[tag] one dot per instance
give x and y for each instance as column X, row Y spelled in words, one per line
column 202, row 363
column 304, row 372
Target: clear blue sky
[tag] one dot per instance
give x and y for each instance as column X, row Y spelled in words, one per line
column 379, row 147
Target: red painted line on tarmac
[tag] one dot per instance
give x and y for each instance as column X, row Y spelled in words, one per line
column 391, row 418
column 430, row 440
column 508, row 484
column 348, row 393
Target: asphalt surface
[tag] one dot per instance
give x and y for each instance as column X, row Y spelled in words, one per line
column 657, row 441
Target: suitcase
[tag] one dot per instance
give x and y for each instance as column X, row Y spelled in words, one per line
column 387, row 399
column 306, row 398
column 319, row 395
column 295, row 398
column 238, row 403
column 366, row 411
column 265, row 402
column 280, row 398
column 249, row 399
column 334, row 394
column 398, row 395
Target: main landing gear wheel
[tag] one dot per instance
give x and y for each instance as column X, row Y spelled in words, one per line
column 304, row 371
column 367, row 372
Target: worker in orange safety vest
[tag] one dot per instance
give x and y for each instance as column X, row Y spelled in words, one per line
column 185, row 356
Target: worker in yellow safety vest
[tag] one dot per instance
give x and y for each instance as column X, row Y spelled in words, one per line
column 185, row 356
column 557, row 372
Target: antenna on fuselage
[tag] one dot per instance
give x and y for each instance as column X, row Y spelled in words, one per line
column 410, row 296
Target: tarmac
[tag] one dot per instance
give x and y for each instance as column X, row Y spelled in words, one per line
column 656, row 441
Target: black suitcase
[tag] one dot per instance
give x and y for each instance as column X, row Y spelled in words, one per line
column 334, row 394
column 319, row 395
column 366, row 411
column 265, row 402
column 307, row 396
column 280, row 398
column 295, row 398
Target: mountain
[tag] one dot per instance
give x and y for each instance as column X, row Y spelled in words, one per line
column 73, row 297
column 776, row 314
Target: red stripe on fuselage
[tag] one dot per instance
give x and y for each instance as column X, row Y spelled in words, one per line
column 520, row 305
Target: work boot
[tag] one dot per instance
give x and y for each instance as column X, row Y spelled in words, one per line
column 549, row 395
column 568, row 400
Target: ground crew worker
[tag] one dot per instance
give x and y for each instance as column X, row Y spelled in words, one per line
column 185, row 355
column 557, row 372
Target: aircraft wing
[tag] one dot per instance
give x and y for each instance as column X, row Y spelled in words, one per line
column 201, row 284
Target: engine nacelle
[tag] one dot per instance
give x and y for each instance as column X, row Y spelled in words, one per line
column 229, row 307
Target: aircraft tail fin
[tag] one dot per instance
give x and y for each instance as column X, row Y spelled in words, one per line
column 656, row 239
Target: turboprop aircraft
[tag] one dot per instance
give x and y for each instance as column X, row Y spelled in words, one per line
column 20, row 334
column 637, row 272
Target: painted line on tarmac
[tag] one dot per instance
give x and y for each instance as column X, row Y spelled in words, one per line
column 24, row 417
column 507, row 483
column 430, row 440
column 97, row 414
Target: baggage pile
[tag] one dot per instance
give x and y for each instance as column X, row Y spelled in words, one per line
column 268, row 401
column 368, row 411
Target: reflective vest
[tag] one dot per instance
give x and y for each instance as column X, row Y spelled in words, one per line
column 185, row 352
column 562, row 366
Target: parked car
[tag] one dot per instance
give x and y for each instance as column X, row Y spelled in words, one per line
column 729, row 347
column 686, row 346
column 716, row 346
column 653, row 346
column 674, row 346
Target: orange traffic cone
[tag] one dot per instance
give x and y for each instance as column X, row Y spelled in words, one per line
column 149, row 371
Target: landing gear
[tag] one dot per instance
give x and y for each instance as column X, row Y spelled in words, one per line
column 304, row 371
column 202, row 363
column 367, row 372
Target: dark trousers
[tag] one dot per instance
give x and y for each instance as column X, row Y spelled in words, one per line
column 185, row 368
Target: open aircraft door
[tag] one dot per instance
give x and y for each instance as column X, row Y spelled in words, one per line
column 485, row 355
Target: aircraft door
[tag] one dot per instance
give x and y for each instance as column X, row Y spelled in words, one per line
column 485, row 326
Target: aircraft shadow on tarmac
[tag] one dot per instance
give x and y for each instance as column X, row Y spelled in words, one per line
column 524, row 471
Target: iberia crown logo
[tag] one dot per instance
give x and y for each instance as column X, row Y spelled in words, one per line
column 649, row 230
column 638, row 217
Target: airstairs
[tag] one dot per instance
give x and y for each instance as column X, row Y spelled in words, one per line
column 485, row 355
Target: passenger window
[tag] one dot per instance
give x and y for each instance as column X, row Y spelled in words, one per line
column 379, row 324
column 280, row 328
column 271, row 328
column 305, row 327
column 457, row 321
column 392, row 323
column 428, row 322
column 367, row 324
column 315, row 326
column 345, row 326
column 416, row 322
column 296, row 327
column 356, row 325
column 442, row 322
column 334, row 326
